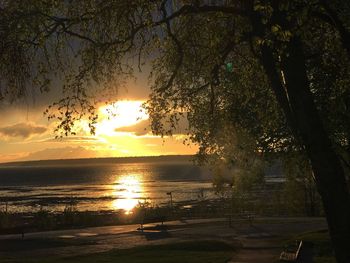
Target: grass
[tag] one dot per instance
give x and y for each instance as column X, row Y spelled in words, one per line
column 323, row 252
column 184, row 252
column 201, row 251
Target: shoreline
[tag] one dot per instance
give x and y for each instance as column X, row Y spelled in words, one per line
column 71, row 218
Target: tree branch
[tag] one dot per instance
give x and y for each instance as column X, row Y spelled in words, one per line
column 178, row 48
column 335, row 21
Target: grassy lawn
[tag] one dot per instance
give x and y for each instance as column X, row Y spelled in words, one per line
column 191, row 252
column 322, row 245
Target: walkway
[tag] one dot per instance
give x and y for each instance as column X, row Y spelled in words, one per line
column 262, row 240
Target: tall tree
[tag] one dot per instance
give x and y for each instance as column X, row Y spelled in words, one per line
column 259, row 76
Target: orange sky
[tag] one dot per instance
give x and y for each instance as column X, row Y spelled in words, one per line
column 26, row 134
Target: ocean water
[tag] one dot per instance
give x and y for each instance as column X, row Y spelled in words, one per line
column 101, row 185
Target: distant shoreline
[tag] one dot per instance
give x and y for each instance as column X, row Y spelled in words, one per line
column 102, row 160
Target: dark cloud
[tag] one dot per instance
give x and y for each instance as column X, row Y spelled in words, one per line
column 23, row 130
column 143, row 128
column 139, row 129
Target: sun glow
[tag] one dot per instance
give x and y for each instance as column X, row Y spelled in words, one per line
column 128, row 191
column 119, row 114
column 122, row 130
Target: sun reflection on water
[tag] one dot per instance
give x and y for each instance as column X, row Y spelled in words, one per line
column 128, row 192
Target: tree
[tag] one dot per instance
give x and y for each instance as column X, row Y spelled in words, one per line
column 264, row 77
column 279, row 49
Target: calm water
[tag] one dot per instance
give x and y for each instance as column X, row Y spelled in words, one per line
column 100, row 185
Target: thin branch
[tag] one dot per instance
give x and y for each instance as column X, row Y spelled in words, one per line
column 178, row 48
column 191, row 9
column 195, row 91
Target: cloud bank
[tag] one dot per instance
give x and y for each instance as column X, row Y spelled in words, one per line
column 143, row 128
column 139, row 129
column 60, row 153
column 24, row 130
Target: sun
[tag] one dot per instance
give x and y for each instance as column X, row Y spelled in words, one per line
column 119, row 114
column 123, row 130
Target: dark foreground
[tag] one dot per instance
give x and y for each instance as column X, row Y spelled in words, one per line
column 209, row 240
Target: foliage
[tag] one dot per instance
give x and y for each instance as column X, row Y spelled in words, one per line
column 79, row 46
column 90, row 48
column 69, row 215
column 300, row 193
column 4, row 220
column 44, row 220
column 236, row 113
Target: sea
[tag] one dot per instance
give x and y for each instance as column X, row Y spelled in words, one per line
column 105, row 184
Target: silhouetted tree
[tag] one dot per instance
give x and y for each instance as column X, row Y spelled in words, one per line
column 260, row 76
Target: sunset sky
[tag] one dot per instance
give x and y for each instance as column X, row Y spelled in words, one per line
column 26, row 134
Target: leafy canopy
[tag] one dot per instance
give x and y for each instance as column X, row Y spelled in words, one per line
column 205, row 65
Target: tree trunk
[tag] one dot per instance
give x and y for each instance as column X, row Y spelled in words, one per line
column 327, row 168
column 297, row 103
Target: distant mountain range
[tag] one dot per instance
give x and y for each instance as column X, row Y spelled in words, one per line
column 90, row 161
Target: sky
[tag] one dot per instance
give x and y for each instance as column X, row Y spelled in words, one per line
column 26, row 134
